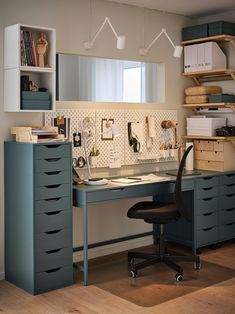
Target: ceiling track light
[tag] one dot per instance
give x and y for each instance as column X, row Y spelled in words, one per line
column 121, row 40
column 177, row 49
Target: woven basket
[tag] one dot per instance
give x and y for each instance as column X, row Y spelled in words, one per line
column 203, row 90
column 196, row 99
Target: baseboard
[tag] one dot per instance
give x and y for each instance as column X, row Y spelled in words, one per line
column 2, row 276
column 114, row 248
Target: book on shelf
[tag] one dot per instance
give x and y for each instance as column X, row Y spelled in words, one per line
column 28, row 49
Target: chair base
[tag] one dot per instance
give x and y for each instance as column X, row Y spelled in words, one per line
column 152, row 258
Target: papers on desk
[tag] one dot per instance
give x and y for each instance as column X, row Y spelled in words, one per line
column 137, row 179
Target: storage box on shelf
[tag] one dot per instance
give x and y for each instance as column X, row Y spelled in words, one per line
column 214, row 155
column 21, row 59
column 203, row 126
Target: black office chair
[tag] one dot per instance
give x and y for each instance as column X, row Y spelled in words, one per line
column 162, row 213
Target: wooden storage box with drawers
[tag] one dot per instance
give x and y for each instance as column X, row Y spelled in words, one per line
column 214, row 155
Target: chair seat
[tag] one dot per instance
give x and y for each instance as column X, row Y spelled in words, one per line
column 154, row 212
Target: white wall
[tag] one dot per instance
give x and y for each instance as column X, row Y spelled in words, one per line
column 74, row 21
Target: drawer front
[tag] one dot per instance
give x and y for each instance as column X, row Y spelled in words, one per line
column 53, row 279
column 207, row 192
column 227, row 216
column 52, row 177
column 53, row 240
column 207, row 182
column 227, row 232
column 52, row 164
column 53, row 220
column 207, row 220
column 53, row 259
column 52, row 151
column 206, row 205
column 218, row 146
column 52, row 204
column 53, row 191
column 227, row 201
column 209, row 165
column 204, row 145
column 227, row 179
column 207, row 236
column 227, row 189
column 207, row 155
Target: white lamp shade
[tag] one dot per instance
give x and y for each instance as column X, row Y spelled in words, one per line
column 121, row 42
column 178, row 51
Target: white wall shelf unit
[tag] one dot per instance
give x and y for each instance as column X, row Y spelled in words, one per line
column 15, row 65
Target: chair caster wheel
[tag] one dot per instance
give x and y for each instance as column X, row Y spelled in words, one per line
column 133, row 273
column 197, row 266
column 178, row 277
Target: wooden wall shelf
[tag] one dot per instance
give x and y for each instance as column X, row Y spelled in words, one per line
column 211, row 75
column 230, row 105
column 218, row 38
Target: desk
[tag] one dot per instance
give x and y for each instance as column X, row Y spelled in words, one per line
column 204, row 188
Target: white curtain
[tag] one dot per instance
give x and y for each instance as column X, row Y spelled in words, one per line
column 100, row 79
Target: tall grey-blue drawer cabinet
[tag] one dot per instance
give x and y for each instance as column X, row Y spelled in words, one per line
column 38, row 215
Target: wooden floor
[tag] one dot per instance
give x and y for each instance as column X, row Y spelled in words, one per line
column 216, row 299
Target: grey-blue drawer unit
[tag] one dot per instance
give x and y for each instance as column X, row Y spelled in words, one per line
column 52, row 177
column 38, row 217
column 51, row 151
column 53, row 279
column 206, row 182
column 206, row 204
column 48, row 221
column 207, row 236
column 52, row 204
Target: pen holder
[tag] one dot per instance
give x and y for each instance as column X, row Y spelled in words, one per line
column 93, row 160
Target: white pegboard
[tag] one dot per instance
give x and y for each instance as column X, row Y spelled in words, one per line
column 104, row 146
column 132, row 157
column 121, row 118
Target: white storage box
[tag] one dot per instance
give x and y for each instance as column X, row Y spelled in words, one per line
column 204, row 126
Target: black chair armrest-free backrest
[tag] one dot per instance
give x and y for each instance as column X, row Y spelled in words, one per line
column 184, row 212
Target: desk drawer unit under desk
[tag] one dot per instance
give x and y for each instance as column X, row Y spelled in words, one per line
column 39, row 219
column 227, row 207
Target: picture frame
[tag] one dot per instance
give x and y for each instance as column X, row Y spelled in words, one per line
column 106, row 132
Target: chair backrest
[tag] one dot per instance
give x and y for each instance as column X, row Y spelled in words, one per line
column 185, row 212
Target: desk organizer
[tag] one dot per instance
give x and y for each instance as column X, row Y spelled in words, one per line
column 31, row 134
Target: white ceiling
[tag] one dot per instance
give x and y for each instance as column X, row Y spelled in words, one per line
column 192, row 8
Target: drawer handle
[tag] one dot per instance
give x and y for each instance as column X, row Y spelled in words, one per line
column 53, row 232
column 52, row 213
column 230, row 209
column 53, row 199
column 207, row 199
column 230, row 175
column 116, row 190
column 52, row 186
column 53, row 173
column 52, row 159
column 207, row 189
column 207, row 214
column 207, row 178
column 230, row 224
column 232, row 184
column 53, row 251
column 53, row 270
column 207, row 229
column 54, row 146
column 230, row 195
